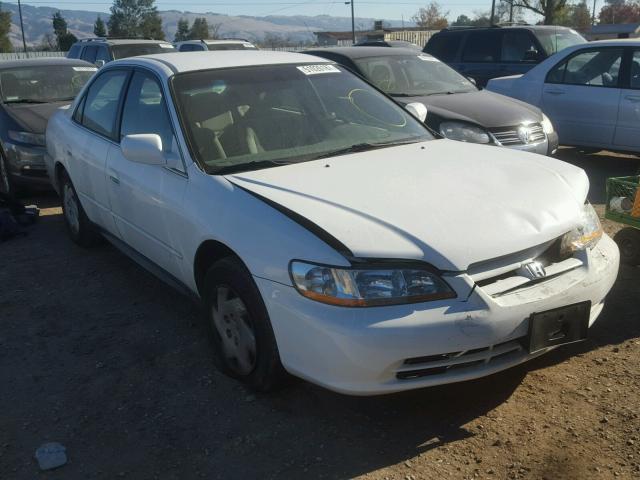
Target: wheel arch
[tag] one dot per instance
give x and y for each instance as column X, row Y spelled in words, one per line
column 209, row 252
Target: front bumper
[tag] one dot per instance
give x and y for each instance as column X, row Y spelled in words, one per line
column 364, row 351
column 29, row 169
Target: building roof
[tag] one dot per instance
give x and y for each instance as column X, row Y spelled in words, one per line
column 193, row 61
column 614, row 28
column 45, row 61
column 364, row 52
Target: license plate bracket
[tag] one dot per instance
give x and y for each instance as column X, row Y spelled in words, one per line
column 560, row 326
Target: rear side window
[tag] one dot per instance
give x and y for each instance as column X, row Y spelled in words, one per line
column 103, row 54
column 444, row 47
column 599, row 68
column 101, row 106
column 482, row 47
column 74, row 51
column 519, row 46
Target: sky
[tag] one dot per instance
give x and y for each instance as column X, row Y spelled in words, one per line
column 379, row 9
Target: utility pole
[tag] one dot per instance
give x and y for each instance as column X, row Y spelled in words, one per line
column 24, row 42
column 511, row 11
column 493, row 12
column 593, row 15
column 353, row 24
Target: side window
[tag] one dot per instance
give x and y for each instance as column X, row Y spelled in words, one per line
column 198, row 48
column 145, row 111
column 101, row 106
column 74, row 51
column 77, row 115
column 519, row 46
column 186, row 47
column 482, row 47
column 89, row 54
column 444, row 47
column 103, row 54
column 635, row 70
column 600, row 68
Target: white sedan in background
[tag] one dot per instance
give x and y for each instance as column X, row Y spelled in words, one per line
column 591, row 93
column 325, row 230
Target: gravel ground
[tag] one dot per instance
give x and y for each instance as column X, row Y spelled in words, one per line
column 100, row 356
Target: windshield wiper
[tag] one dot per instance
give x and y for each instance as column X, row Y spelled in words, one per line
column 24, row 100
column 243, row 167
column 362, row 147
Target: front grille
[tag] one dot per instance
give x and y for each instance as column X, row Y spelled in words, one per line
column 510, row 136
column 431, row 365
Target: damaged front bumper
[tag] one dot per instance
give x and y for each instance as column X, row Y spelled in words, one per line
column 367, row 351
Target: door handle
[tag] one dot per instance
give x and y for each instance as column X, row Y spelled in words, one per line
column 68, row 152
column 555, row 92
column 633, row 98
column 114, row 179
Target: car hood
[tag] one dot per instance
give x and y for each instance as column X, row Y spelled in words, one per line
column 33, row 117
column 447, row 203
column 482, row 107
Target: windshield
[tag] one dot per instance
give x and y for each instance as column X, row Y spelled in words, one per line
column 555, row 40
column 137, row 49
column 43, row 84
column 256, row 117
column 413, row 75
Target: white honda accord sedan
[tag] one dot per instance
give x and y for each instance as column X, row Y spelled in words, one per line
column 326, row 231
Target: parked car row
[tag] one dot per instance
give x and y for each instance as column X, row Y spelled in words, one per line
column 329, row 233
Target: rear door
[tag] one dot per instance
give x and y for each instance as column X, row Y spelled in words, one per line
column 89, row 53
column 628, row 130
column 88, row 145
column 481, row 56
column 581, row 95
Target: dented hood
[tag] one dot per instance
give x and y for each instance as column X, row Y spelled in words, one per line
column 447, row 203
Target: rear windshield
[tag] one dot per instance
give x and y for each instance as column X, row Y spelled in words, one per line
column 136, row 49
column 555, row 40
column 44, row 83
column 444, row 47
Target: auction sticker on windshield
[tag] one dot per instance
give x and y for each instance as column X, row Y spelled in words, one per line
column 85, row 69
column 316, row 69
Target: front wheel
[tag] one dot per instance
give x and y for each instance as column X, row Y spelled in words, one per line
column 244, row 344
column 6, row 185
column 78, row 224
column 628, row 240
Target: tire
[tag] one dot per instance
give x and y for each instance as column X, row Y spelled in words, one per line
column 244, row 344
column 628, row 240
column 79, row 226
column 6, row 185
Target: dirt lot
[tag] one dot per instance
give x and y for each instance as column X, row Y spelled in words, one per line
column 100, row 356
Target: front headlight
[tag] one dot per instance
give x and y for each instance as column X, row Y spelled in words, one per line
column 547, row 126
column 36, row 139
column 367, row 287
column 22, row 156
column 586, row 235
column 464, row 132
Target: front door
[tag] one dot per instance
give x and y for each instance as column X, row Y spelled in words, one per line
column 146, row 200
column 628, row 131
column 581, row 96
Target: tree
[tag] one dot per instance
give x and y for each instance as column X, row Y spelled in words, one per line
column 480, row 20
column 182, row 32
column 49, row 43
column 5, row 28
column 64, row 38
column 132, row 18
column 214, row 31
column 580, row 16
column 199, row 30
column 550, row 10
column 432, row 17
column 625, row 12
column 99, row 28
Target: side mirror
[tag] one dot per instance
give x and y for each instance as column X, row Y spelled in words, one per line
column 472, row 80
column 143, row 148
column 417, row 109
column 100, row 63
column 531, row 56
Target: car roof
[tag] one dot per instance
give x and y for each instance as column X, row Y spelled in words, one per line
column 619, row 42
column 460, row 29
column 364, row 52
column 194, row 61
column 44, row 61
column 118, row 41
